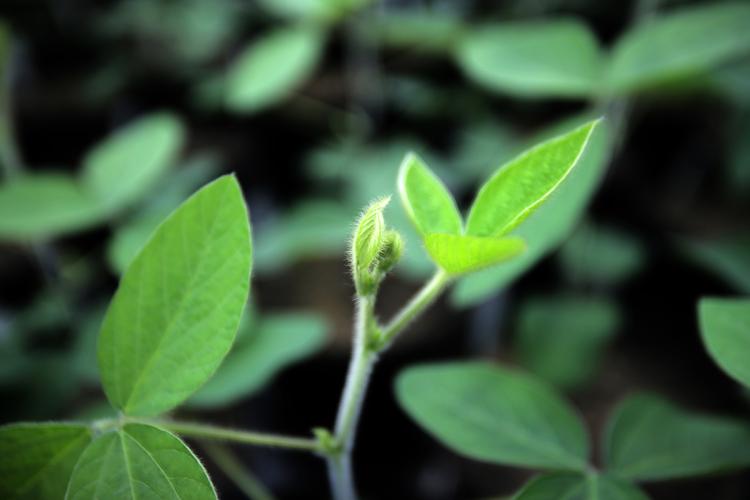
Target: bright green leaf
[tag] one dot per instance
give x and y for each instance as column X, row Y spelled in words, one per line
column 548, row 226
column 494, row 414
column 427, row 201
column 519, row 187
column 457, row 254
column 558, row 58
column 262, row 349
column 679, row 45
column 139, row 461
column 273, row 67
column 126, row 165
column 561, row 339
column 42, row 206
column 569, row 486
column 177, row 309
column 650, row 439
column 36, row 460
column 725, row 327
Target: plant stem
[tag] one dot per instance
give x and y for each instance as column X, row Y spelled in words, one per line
column 237, row 472
column 204, row 431
column 360, row 368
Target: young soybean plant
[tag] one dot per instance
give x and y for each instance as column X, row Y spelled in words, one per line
column 176, row 312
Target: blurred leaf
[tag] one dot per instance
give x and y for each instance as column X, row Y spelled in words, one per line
column 139, row 461
column 36, row 460
column 433, row 30
column 548, row 226
column 728, row 258
column 481, row 146
column 649, row 439
column 130, row 237
column 494, row 414
column 125, row 166
column 570, row 486
column 272, row 67
column 559, row 58
column 43, row 206
column 601, row 255
column 461, row 254
column 314, row 10
column 260, row 352
column 426, row 200
column 725, row 327
column 679, row 45
column 311, row 229
column 561, row 339
column 186, row 288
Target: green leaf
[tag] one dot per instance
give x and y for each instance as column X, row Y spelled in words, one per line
column 435, row 30
column 426, row 200
column 728, row 258
column 650, row 439
column 312, row 10
column 126, row 165
column 36, row 460
column 494, row 414
column 177, row 309
column 559, row 58
column 458, row 254
column 568, row 486
column 260, row 352
column 139, row 461
column 725, row 327
column 273, row 67
column 548, row 226
column 519, row 187
column 561, row 339
column 43, row 206
column 679, row 45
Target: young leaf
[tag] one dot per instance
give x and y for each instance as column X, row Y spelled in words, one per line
column 42, row 206
column 548, row 226
column 139, row 461
column 369, row 241
column 679, row 45
column 176, row 311
column 725, row 327
column 561, row 339
column 458, row 254
column 426, row 200
column 558, row 58
column 578, row 487
column 650, row 439
column 36, row 460
column 272, row 68
column 494, row 414
column 522, row 185
column 260, row 352
column 127, row 164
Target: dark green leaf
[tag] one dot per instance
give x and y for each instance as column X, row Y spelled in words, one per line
column 494, row 414
column 725, row 326
column 568, row 486
column 728, row 258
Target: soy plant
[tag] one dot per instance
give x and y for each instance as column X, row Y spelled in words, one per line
column 175, row 315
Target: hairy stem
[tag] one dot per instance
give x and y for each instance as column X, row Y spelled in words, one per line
column 360, row 367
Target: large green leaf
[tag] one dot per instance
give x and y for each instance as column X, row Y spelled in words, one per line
column 127, row 165
column 559, row 58
column 139, row 461
column 36, row 460
column 177, row 309
column 547, row 227
column 725, row 326
column 459, row 254
column 272, row 68
column 42, row 206
column 561, row 339
column 261, row 351
column 650, row 439
column 426, row 200
column 680, row 44
column 518, row 188
column 494, row 414
column 569, row 486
